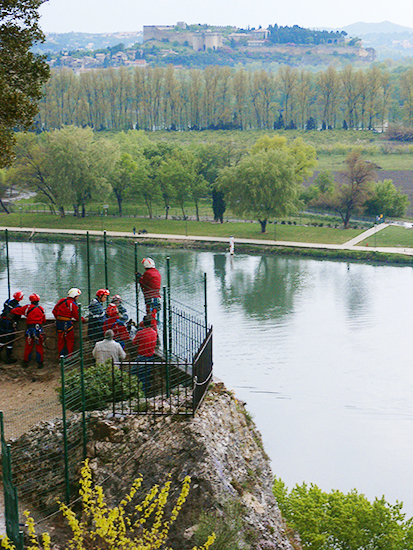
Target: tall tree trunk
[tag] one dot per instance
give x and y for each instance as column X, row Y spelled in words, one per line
column 62, row 211
column 263, row 224
column 119, row 199
column 76, row 210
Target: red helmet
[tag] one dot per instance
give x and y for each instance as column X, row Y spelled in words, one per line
column 34, row 297
column 112, row 311
column 18, row 295
column 102, row 292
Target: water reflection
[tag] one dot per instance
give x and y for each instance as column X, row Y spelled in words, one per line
column 264, row 286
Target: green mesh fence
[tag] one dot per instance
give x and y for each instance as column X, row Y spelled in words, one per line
column 48, row 440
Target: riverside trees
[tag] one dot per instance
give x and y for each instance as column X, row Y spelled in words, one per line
column 72, row 166
column 342, row 521
column 66, row 166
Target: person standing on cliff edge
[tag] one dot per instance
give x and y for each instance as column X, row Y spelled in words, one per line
column 150, row 283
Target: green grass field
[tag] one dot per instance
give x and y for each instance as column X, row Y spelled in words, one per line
column 391, row 237
column 336, row 162
column 246, row 230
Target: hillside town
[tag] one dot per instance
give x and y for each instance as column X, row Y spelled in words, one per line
column 183, row 44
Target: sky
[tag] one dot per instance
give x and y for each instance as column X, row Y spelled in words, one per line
column 108, row 16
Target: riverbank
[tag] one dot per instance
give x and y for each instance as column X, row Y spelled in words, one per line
column 349, row 250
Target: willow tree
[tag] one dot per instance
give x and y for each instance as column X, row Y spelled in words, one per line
column 22, row 73
column 266, row 182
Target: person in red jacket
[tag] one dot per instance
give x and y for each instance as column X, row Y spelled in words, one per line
column 66, row 311
column 35, row 318
column 145, row 341
column 150, row 283
column 113, row 322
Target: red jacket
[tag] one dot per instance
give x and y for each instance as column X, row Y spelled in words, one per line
column 34, row 314
column 66, row 309
column 120, row 332
column 151, row 283
column 145, row 340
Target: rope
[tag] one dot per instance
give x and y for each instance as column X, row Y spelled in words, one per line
column 196, row 383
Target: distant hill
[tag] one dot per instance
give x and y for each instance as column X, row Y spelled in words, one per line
column 74, row 41
column 385, row 27
column 388, row 39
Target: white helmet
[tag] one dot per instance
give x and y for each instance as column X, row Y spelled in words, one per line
column 74, row 293
column 148, row 262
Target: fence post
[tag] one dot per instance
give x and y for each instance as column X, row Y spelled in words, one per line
column 205, row 304
column 65, row 445
column 113, row 390
column 106, row 260
column 168, row 278
column 82, row 382
column 7, row 261
column 136, row 283
column 11, row 504
column 165, row 341
column 88, row 265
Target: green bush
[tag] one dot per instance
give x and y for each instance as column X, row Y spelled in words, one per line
column 342, row 521
column 100, row 387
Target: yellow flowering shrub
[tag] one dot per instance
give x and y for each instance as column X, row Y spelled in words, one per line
column 101, row 527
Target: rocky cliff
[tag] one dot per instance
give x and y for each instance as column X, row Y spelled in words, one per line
column 220, row 449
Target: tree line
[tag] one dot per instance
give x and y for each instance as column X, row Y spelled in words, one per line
column 225, row 98
column 300, row 35
column 74, row 166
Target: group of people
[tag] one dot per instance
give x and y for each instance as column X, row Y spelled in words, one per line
column 107, row 327
column 113, row 323
column 35, row 318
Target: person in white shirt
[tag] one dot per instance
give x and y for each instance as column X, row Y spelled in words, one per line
column 108, row 349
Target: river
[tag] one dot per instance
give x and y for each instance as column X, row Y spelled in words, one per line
column 319, row 350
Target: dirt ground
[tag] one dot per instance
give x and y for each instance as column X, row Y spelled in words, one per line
column 27, row 396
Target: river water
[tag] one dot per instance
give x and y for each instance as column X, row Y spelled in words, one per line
column 319, row 350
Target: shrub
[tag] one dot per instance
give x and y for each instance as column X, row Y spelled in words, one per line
column 100, row 387
column 342, row 521
column 143, row 528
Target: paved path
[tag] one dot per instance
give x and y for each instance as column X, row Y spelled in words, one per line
column 349, row 245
